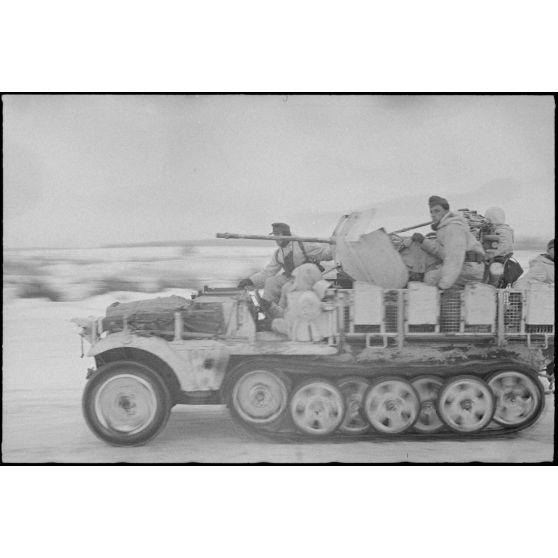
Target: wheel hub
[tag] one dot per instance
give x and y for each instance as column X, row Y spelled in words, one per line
column 354, row 406
column 466, row 405
column 429, row 406
column 126, row 402
column 392, row 405
column 317, row 408
column 511, row 397
column 261, row 396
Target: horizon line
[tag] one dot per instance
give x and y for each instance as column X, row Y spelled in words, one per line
column 164, row 243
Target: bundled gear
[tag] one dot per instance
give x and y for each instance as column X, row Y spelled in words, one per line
column 156, row 316
column 304, row 318
column 478, row 224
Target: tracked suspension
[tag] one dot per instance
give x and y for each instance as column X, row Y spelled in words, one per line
column 295, row 402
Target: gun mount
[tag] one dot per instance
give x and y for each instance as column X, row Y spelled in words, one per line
column 364, row 251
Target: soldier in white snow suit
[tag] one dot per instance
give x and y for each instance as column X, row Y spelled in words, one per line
column 541, row 269
column 499, row 249
column 304, row 318
column 276, row 275
column 461, row 254
column 497, row 219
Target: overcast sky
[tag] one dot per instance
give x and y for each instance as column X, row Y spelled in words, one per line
column 93, row 170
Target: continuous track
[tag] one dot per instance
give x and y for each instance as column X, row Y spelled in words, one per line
column 297, row 399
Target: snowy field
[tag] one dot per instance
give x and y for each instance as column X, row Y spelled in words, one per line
column 43, row 377
column 78, row 274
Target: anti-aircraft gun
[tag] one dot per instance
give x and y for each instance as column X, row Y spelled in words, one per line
column 363, row 252
column 393, row 356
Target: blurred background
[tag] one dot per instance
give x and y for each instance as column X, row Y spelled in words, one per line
column 107, row 193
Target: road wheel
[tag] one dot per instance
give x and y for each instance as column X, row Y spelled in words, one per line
column 353, row 389
column 466, row 404
column 317, row 407
column 391, row 405
column 519, row 400
column 126, row 403
column 259, row 397
column 428, row 388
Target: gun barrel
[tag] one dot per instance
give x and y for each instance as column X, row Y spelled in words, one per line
column 277, row 237
column 411, row 228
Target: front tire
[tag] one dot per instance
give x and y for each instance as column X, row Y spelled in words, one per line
column 126, row 403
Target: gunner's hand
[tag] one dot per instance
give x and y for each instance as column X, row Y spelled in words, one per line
column 418, row 237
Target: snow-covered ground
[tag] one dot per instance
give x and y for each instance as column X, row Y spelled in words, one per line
column 81, row 273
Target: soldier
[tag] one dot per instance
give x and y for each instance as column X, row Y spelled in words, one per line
column 275, row 278
column 304, row 318
column 501, row 270
column 541, row 269
column 461, row 254
column 504, row 245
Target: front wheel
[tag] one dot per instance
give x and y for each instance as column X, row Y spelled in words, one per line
column 126, row 403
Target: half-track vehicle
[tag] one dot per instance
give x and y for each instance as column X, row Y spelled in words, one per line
column 390, row 357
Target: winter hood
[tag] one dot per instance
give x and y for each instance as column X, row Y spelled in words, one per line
column 305, row 276
column 542, row 259
column 308, row 277
column 495, row 215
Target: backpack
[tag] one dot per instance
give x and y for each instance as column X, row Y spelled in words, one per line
column 512, row 271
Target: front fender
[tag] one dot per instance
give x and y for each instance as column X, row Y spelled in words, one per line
column 199, row 364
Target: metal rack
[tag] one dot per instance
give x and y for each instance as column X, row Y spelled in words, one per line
column 380, row 316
